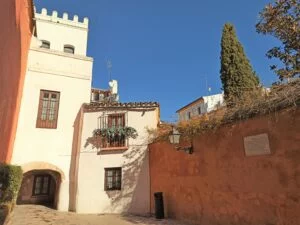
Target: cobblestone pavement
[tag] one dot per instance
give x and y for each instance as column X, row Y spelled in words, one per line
column 40, row 215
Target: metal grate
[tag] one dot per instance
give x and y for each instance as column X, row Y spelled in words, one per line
column 113, row 121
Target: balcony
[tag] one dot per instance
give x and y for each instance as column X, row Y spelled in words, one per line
column 109, row 133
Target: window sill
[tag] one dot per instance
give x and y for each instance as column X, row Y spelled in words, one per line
column 49, row 128
column 41, row 195
column 111, row 190
column 114, row 149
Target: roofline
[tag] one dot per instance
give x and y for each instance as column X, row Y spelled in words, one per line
column 99, row 89
column 98, row 106
column 32, row 7
column 189, row 104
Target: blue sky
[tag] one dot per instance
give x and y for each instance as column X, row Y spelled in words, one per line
column 164, row 50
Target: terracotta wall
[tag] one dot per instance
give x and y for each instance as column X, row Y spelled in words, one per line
column 219, row 185
column 16, row 31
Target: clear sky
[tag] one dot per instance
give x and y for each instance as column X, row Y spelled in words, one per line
column 164, row 50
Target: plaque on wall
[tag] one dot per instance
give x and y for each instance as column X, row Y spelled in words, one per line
column 257, row 145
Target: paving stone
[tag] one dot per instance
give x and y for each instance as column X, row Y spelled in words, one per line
column 41, row 215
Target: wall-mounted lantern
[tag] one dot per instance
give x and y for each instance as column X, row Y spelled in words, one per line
column 174, row 138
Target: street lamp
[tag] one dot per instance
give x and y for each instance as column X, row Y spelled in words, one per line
column 174, row 138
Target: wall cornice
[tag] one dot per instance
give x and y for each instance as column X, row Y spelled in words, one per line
column 59, row 53
column 59, row 73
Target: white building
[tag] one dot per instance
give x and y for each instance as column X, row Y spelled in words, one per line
column 57, row 83
column 200, row 106
column 113, row 173
column 64, row 165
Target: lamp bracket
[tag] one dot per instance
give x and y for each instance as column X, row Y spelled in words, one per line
column 188, row 149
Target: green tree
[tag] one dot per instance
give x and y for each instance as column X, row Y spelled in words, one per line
column 282, row 20
column 237, row 76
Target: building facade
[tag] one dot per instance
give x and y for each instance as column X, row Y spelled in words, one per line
column 200, row 106
column 114, row 170
column 57, row 83
column 65, row 164
column 17, row 24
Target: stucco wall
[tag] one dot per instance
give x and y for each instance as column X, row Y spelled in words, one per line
column 71, row 76
column 206, row 104
column 218, row 184
column 60, row 31
column 16, row 31
column 134, row 196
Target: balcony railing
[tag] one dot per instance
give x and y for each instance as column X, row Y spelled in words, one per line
column 112, row 122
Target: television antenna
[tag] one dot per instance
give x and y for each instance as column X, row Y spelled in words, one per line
column 109, row 68
column 207, row 88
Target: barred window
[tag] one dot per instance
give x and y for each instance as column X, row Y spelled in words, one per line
column 41, row 185
column 113, row 179
column 48, row 109
column 113, row 121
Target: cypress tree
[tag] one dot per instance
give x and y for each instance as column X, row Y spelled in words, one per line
column 237, row 76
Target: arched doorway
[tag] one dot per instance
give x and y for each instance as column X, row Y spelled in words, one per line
column 40, row 187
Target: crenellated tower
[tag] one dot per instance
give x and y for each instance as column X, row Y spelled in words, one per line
column 62, row 33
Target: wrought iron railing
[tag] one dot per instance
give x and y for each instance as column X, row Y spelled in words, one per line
column 110, row 123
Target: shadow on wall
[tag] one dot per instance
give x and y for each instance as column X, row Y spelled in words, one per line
column 205, row 106
column 48, row 196
column 73, row 172
column 219, row 185
column 134, row 196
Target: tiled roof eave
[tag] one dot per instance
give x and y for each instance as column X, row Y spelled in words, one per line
column 118, row 105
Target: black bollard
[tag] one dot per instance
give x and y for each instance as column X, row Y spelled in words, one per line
column 159, row 205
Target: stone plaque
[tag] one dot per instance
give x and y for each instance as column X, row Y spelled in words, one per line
column 257, row 145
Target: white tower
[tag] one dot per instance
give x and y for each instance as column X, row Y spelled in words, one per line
column 57, row 83
column 62, row 31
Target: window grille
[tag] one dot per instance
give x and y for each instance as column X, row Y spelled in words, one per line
column 113, row 179
column 41, row 185
column 113, row 122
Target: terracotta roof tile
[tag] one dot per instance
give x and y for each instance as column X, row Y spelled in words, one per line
column 102, row 105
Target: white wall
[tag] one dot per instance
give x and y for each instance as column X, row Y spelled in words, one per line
column 71, row 76
column 134, row 196
column 208, row 104
column 211, row 102
column 61, row 31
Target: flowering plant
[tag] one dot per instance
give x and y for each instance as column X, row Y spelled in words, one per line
column 127, row 132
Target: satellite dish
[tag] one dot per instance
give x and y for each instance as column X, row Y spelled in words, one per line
column 113, row 84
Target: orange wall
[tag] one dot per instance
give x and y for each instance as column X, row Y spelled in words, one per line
column 16, row 31
column 219, row 185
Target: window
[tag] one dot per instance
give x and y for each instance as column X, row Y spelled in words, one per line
column 189, row 115
column 199, row 110
column 48, row 109
column 113, row 179
column 69, row 49
column 114, row 121
column 45, row 44
column 41, row 185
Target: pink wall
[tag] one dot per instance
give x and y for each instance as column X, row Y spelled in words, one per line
column 219, row 185
column 16, row 24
